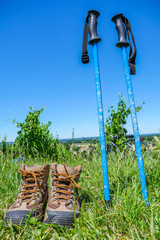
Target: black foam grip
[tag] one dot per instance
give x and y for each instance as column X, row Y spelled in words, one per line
column 122, row 41
column 93, row 15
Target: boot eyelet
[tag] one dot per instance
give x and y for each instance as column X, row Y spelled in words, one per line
column 19, row 197
column 54, row 199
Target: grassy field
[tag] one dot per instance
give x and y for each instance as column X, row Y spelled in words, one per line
column 127, row 218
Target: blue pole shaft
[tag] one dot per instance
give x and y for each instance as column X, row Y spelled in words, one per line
column 135, row 125
column 101, row 123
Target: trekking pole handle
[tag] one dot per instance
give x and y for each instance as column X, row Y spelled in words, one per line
column 122, row 40
column 93, row 15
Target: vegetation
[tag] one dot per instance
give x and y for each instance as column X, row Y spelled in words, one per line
column 34, row 137
column 3, row 146
column 115, row 122
column 126, row 218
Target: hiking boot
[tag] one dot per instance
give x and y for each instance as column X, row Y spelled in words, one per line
column 32, row 197
column 63, row 203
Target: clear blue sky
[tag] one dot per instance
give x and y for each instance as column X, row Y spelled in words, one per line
column 40, row 64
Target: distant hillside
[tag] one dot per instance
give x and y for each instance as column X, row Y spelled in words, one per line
column 148, row 136
column 79, row 140
column 8, row 143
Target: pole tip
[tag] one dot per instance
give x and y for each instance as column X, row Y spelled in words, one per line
column 108, row 203
column 147, row 203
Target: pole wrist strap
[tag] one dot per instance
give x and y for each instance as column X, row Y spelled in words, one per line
column 85, row 57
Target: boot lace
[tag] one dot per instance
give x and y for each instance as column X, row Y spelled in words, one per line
column 30, row 184
column 65, row 186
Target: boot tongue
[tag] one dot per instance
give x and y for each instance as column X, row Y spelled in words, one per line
column 65, row 182
column 61, row 169
column 32, row 168
column 32, row 181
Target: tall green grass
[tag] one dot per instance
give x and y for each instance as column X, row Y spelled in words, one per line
column 127, row 217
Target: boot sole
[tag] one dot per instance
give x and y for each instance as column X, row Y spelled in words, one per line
column 19, row 217
column 64, row 219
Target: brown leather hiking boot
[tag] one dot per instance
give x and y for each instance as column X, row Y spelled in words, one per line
column 33, row 194
column 63, row 195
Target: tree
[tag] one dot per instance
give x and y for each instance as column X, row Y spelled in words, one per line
column 34, row 137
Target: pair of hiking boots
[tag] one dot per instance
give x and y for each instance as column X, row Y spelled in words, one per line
column 62, row 206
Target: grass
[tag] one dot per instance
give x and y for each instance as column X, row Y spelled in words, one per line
column 127, row 218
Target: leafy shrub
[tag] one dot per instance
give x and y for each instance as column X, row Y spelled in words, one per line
column 35, row 137
column 156, row 147
column 116, row 120
column 3, row 146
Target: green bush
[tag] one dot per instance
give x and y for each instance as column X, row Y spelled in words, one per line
column 34, row 138
column 3, row 146
column 116, row 120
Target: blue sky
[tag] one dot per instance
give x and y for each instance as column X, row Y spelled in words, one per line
column 40, row 64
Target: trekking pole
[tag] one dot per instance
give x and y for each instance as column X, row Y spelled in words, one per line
column 91, row 26
column 122, row 24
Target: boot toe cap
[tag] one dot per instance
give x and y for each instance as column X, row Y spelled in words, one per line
column 65, row 219
column 17, row 217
